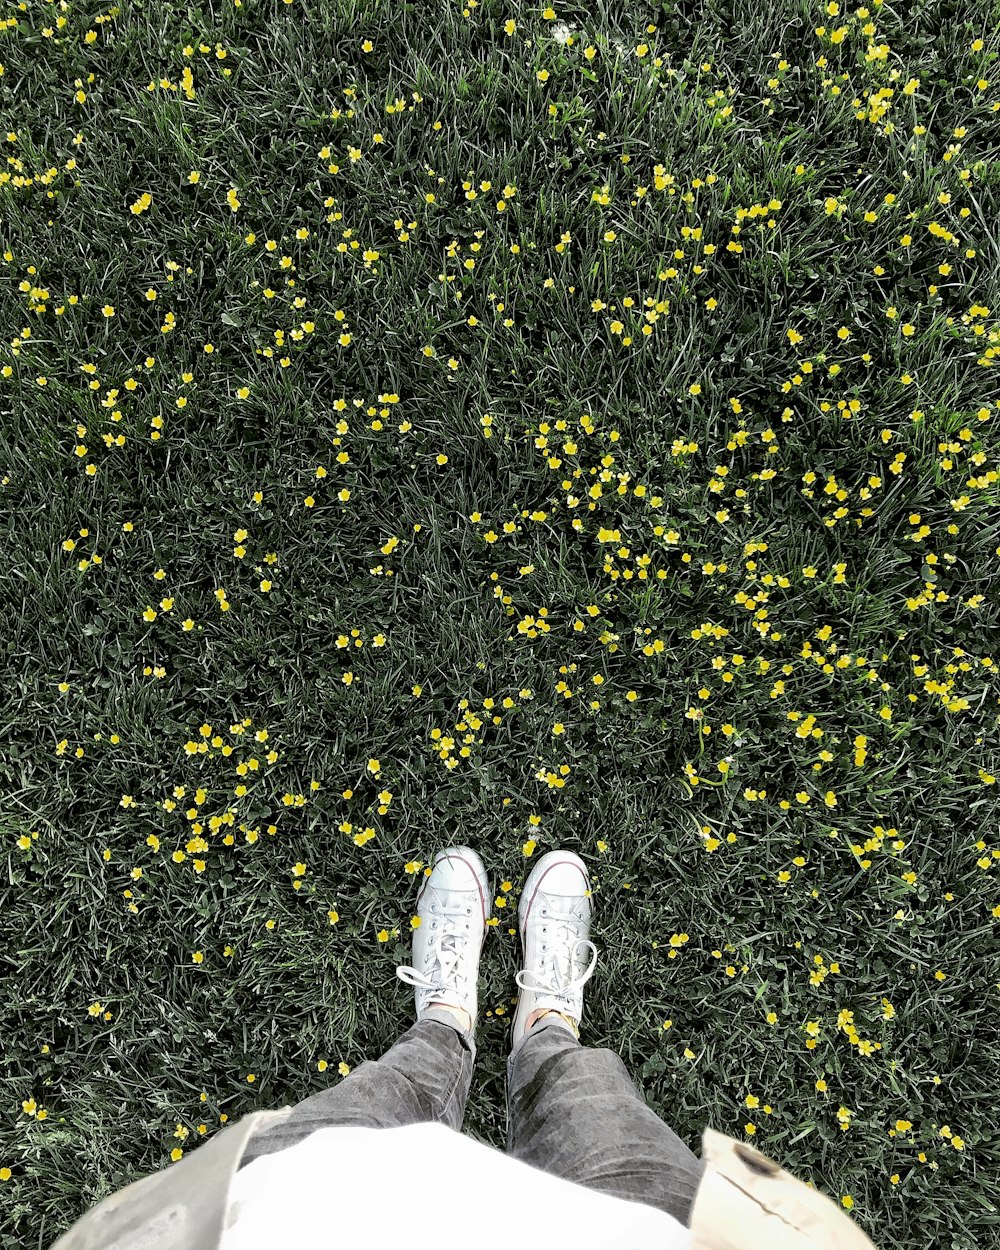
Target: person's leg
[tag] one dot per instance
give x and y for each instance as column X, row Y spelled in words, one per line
column 574, row 1111
column 425, row 1075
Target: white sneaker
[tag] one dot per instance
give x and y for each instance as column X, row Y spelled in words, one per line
column 454, row 905
column 554, row 922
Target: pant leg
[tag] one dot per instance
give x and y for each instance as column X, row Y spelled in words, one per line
column 425, row 1075
column 574, row 1111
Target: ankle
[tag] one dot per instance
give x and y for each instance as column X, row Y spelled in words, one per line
column 535, row 1016
column 460, row 1014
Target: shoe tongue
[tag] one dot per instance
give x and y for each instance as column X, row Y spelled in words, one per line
column 565, row 909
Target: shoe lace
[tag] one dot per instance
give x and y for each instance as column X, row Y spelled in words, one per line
column 444, row 955
column 551, row 978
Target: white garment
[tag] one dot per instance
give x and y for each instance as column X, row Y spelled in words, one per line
column 420, row 1186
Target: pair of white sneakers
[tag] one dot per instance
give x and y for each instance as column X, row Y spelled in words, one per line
column 554, row 914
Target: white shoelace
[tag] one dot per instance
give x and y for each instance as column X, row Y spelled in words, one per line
column 553, row 985
column 444, row 955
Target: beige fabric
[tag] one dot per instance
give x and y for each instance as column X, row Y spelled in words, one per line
column 746, row 1201
column 180, row 1207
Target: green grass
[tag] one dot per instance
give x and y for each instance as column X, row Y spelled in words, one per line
column 789, row 943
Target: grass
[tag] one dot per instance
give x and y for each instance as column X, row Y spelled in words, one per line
column 763, row 613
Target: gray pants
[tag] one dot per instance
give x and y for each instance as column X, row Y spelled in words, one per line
column 571, row 1110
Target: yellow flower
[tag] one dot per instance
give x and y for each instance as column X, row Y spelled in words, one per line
column 108, row 310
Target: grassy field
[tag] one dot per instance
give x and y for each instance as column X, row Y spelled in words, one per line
column 525, row 427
